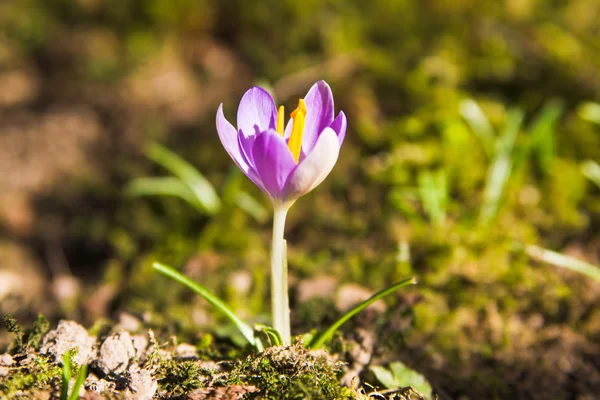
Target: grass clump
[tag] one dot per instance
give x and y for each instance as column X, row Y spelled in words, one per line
column 282, row 373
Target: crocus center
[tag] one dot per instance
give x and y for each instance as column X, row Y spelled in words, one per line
column 298, row 116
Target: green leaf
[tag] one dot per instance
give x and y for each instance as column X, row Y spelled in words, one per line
column 319, row 339
column 411, row 377
column 245, row 329
column 399, row 375
column 200, row 186
column 384, row 376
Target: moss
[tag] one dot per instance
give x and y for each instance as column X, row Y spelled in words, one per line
column 36, row 333
column 12, row 326
column 176, row 378
column 30, row 338
column 211, row 348
column 291, row 373
column 40, row 374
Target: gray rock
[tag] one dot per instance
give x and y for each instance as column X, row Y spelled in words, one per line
column 140, row 343
column 186, row 351
column 141, row 384
column 129, row 322
column 66, row 336
column 95, row 385
column 115, row 353
column 6, row 359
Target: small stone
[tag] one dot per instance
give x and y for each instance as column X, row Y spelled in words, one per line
column 91, row 396
column 115, row 353
column 211, row 365
column 128, row 322
column 141, row 384
column 186, row 351
column 95, row 385
column 140, row 344
column 65, row 337
column 319, row 287
column 6, row 359
column 27, row 359
column 66, row 288
column 241, row 282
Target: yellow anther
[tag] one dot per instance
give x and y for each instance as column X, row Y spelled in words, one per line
column 295, row 142
column 280, row 116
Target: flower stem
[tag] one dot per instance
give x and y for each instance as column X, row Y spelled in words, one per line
column 279, row 283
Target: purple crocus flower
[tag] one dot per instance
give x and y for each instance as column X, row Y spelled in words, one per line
column 284, row 163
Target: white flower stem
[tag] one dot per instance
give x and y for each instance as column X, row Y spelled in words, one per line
column 279, row 280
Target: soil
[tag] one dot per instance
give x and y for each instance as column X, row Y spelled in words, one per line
column 136, row 366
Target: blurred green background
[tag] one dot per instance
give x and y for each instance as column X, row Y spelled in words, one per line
column 473, row 144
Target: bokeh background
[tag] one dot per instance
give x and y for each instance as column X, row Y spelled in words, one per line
column 473, row 144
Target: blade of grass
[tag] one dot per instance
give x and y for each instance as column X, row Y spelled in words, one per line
column 433, row 193
column 542, row 133
column 245, row 329
column 66, row 371
column 78, row 383
column 201, row 187
column 500, row 169
column 319, row 339
column 164, row 186
column 273, row 334
column 479, row 123
column 563, row 261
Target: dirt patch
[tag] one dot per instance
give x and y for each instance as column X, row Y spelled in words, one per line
column 128, row 366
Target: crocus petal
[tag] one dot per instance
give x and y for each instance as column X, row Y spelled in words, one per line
column 257, row 109
column 311, row 171
column 339, row 125
column 245, row 148
column 229, row 139
column 246, row 143
column 273, row 162
column 319, row 115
